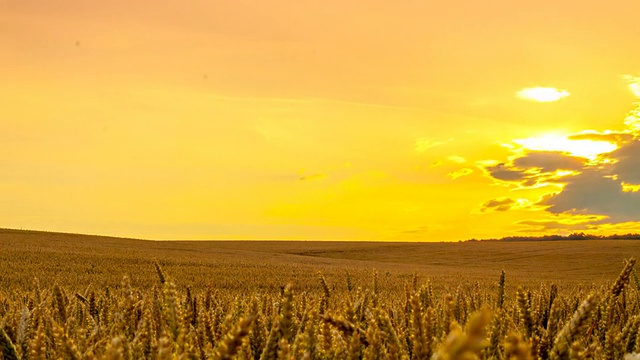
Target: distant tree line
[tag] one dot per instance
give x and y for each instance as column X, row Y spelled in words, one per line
column 573, row 236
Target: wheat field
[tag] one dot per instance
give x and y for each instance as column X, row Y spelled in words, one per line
column 65, row 296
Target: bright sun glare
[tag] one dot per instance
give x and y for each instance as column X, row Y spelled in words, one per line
column 589, row 149
column 635, row 88
column 634, row 84
column 542, row 94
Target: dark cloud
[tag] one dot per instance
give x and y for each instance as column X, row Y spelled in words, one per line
column 552, row 225
column 501, row 204
column 591, row 189
column 627, row 168
column 535, row 167
column 506, row 173
column 547, row 161
column 617, row 138
column 596, row 192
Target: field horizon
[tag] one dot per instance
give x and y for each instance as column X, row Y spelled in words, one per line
column 570, row 261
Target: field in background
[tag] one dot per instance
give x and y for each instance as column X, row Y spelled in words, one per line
column 77, row 261
column 109, row 298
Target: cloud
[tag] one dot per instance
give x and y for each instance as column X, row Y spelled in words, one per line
column 460, row 173
column 457, row 159
column 588, row 190
column 596, row 191
column 632, row 121
column 595, row 176
column 423, row 144
column 506, row 172
column 537, row 167
column 604, row 192
column 626, row 187
column 627, row 167
column 611, row 137
column 500, row 204
column 547, row 225
column 549, row 161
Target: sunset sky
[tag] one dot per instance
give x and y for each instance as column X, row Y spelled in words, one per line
column 294, row 119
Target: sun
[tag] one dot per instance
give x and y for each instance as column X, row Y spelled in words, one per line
column 589, row 149
column 542, row 94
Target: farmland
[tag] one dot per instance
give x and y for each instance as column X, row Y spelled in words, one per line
column 79, row 296
column 81, row 260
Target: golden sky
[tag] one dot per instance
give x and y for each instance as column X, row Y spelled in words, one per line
column 295, row 119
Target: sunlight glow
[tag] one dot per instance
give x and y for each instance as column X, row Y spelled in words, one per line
column 542, row 94
column 632, row 121
column 634, row 84
column 589, row 149
column 630, row 187
column 564, row 173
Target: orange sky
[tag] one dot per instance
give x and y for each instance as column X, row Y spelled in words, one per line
column 403, row 120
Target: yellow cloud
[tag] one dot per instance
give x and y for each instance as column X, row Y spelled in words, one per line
column 460, row 173
column 457, row 159
column 630, row 187
column 502, row 204
column 423, row 144
column 632, row 121
column 542, row 94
